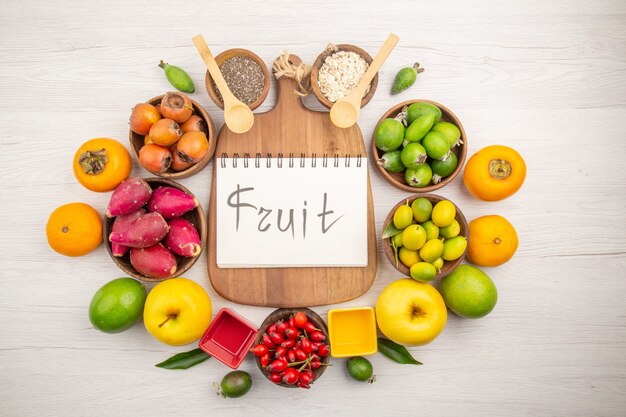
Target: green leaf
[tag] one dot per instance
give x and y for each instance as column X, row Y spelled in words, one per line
column 184, row 360
column 390, row 231
column 396, row 352
column 395, row 250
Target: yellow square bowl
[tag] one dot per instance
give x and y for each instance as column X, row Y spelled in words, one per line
column 352, row 332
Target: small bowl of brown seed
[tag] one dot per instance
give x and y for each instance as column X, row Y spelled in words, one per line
column 246, row 75
column 337, row 70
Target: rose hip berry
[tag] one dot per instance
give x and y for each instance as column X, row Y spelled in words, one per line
column 260, row 350
column 276, row 338
column 280, row 352
column 275, row 378
column 300, row 355
column 288, row 344
column 291, row 333
column 268, row 342
column 265, row 359
column 306, row 376
column 291, row 376
column 291, row 356
column 323, row 351
column 281, row 327
column 307, row 347
column 317, row 336
column 277, row 365
column 310, row 327
column 300, row 319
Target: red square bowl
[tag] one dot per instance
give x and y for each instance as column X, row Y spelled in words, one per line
column 229, row 338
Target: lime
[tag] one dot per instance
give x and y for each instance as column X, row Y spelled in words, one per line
column 235, row 384
column 117, row 305
column 397, row 240
column 413, row 155
column 418, row 129
column 450, row 131
column 432, row 230
column 432, row 250
column 408, row 257
column 419, row 108
column 436, row 145
column 446, row 167
column 360, row 369
column 451, row 230
column 419, row 177
column 469, row 292
column 422, row 207
column 414, row 237
column 391, row 161
column 423, row 271
column 389, row 135
column 454, row 248
column 402, row 217
column 444, row 213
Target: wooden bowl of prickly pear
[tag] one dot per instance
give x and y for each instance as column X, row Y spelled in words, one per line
column 204, row 123
column 287, row 316
column 397, row 179
column 448, row 266
column 194, row 216
column 212, row 89
column 319, row 61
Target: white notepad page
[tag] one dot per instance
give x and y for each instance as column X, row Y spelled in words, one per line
column 302, row 215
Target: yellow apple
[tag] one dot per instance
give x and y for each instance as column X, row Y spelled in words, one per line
column 411, row 312
column 177, row 311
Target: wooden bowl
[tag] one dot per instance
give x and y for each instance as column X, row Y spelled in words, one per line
column 448, row 266
column 283, row 314
column 230, row 53
column 195, row 216
column 397, row 179
column 136, row 142
column 315, row 69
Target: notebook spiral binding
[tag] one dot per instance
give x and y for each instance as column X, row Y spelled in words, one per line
column 290, row 160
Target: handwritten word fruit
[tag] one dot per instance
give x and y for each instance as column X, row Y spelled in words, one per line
column 410, row 312
column 361, row 369
column 235, row 384
column 101, row 164
column 494, row 173
column 177, row 311
column 469, row 292
column 405, row 78
column 74, row 229
column 179, row 79
column 494, row 241
column 117, row 305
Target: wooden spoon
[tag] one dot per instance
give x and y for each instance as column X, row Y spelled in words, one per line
column 237, row 116
column 345, row 111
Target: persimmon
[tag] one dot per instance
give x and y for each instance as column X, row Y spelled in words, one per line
column 194, row 124
column 74, row 229
column 178, row 164
column 142, row 118
column 101, row 164
column 155, row 158
column 165, row 132
column 192, row 146
column 494, row 173
column 493, row 241
column 176, row 106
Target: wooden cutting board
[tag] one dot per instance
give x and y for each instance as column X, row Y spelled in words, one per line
column 291, row 128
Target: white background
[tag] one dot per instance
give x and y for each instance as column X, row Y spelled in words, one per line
column 547, row 78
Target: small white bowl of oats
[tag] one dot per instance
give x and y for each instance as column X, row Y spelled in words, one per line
column 337, row 70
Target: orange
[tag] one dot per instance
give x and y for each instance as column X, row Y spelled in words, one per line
column 494, row 173
column 493, row 241
column 101, row 164
column 74, row 229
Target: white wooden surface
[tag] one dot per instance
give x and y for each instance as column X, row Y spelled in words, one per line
column 547, row 78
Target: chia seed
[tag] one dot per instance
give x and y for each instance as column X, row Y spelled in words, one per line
column 244, row 78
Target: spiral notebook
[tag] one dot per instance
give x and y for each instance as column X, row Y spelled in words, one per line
column 291, row 211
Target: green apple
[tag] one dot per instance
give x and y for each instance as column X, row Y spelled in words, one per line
column 117, row 305
column 469, row 292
